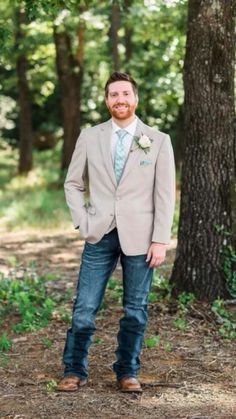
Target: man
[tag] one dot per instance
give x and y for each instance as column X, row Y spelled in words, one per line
column 128, row 216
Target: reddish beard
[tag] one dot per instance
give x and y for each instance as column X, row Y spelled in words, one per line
column 126, row 112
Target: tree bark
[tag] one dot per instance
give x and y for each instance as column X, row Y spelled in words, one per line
column 208, row 166
column 128, row 33
column 113, row 35
column 25, row 120
column 180, row 139
column 70, row 76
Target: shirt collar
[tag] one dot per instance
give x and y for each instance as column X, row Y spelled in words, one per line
column 131, row 128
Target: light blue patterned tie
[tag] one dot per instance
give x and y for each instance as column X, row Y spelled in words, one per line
column 120, row 154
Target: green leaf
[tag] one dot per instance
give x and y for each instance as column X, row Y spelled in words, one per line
column 152, row 341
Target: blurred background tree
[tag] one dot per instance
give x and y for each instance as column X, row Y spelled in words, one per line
column 70, row 49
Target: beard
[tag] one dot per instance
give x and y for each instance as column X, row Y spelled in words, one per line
column 122, row 111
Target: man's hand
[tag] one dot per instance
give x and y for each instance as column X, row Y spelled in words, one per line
column 156, row 254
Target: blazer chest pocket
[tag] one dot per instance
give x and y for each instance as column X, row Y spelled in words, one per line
column 145, row 163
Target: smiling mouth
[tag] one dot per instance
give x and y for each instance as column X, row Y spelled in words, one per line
column 120, row 107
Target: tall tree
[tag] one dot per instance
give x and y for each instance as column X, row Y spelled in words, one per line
column 113, row 34
column 24, row 101
column 70, row 75
column 208, row 166
column 128, row 32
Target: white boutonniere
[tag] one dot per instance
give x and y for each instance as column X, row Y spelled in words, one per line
column 143, row 142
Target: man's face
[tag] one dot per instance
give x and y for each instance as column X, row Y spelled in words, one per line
column 121, row 100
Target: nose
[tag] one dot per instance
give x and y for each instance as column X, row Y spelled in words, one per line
column 120, row 98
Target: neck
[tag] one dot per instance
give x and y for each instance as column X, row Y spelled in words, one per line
column 124, row 122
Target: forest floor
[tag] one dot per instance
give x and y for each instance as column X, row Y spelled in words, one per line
column 189, row 373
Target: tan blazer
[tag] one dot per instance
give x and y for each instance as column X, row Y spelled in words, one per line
column 142, row 204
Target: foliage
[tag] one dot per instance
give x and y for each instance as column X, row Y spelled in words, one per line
column 229, row 268
column 98, row 341
column 51, row 385
column 4, row 360
column 156, row 61
column 47, row 343
column 174, row 229
column 185, row 300
column 114, row 290
column 26, row 298
column 228, row 258
column 63, row 312
column 155, row 340
column 160, row 288
column 168, row 346
column 226, row 319
column 180, row 323
column 152, row 341
column 5, row 343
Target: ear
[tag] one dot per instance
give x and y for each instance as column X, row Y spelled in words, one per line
column 137, row 99
column 106, row 102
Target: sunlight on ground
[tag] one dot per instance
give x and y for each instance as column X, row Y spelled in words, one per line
column 194, row 397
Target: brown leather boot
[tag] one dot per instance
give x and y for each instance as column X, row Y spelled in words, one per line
column 71, row 383
column 129, row 385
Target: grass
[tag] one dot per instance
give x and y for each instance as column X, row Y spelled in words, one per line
column 47, row 343
column 27, row 299
column 152, row 341
column 5, row 343
column 27, row 303
column 35, row 200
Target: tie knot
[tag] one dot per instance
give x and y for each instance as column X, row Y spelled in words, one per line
column 121, row 133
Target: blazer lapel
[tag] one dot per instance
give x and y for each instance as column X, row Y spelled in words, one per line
column 105, row 141
column 134, row 153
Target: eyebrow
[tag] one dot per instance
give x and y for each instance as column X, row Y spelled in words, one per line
column 124, row 91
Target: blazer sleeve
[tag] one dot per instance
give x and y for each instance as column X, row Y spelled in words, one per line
column 75, row 183
column 164, row 193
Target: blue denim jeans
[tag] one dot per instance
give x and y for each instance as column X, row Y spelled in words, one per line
column 98, row 262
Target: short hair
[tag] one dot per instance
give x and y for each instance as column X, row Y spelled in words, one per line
column 117, row 76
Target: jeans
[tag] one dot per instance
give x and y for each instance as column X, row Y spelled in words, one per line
column 98, row 262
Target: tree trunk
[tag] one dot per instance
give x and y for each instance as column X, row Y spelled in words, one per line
column 128, row 34
column 180, row 139
column 113, row 35
column 70, row 75
column 208, row 166
column 25, row 120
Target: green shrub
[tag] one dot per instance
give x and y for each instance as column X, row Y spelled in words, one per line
column 226, row 318
column 26, row 298
column 5, row 343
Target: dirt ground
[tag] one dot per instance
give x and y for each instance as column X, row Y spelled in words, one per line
column 191, row 374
